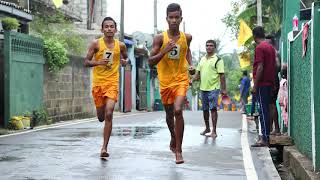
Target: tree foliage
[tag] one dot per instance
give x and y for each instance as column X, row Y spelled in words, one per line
column 59, row 38
column 9, row 23
column 55, row 54
column 271, row 12
column 60, row 28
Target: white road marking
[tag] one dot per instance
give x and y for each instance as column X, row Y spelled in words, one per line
column 246, row 153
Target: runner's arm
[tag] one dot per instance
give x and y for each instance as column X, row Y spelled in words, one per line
column 124, row 55
column 189, row 56
column 156, row 55
column 91, row 51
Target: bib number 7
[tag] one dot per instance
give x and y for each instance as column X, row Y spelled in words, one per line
column 108, row 55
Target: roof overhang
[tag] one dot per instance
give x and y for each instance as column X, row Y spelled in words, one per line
column 20, row 14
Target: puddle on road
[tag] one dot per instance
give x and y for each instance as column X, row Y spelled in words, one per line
column 135, row 132
column 62, row 140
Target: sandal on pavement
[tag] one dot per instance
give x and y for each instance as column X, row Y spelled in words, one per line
column 259, row 144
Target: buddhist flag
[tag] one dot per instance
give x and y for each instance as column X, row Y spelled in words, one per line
column 244, row 33
column 57, row 3
column 244, row 59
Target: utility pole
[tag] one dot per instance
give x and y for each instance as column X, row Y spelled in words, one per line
column 259, row 12
column 155, row 17
column 122, row 69
column 88, row 15
column 122, row 21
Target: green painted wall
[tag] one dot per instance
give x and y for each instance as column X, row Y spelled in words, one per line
column 316, row 75
column 300, row 99
column 23, row 74
column 290, row 8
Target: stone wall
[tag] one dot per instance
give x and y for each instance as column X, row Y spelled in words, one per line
column 67, row 95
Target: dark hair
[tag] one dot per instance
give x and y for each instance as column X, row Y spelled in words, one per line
column 284, row 71
column 109, row 19
column 213, row 42
column 272, row 38
column 245, row 72
column 258, row 32
column 174, row 7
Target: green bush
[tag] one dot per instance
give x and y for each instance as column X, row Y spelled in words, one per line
column 63, row 30
column 9, row 23
column 55, row 54
column 60, row 36
column 40, row 117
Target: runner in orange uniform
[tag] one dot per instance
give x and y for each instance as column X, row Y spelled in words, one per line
column 105, row 84
column 171, row 54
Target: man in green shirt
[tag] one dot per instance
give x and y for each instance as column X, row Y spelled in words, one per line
column 210, row 72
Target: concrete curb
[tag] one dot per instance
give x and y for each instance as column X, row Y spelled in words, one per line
column 299, row 165
column 269, row 170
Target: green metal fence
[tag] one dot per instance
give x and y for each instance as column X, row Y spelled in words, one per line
column 300, row 99
column 316, row 83
column 23, row 74
column 304, row 85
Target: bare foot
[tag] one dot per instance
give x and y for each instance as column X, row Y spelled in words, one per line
column 104, row 153
column 205, row 132
column 173, row 145
column 179, row 158
column 213, row 135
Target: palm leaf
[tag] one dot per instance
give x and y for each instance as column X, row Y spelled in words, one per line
column 248, row 13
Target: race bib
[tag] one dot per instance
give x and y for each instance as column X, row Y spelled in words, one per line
column 175, row 53
column 108, row 55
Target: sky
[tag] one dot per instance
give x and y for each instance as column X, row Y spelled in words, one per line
column 202, row 19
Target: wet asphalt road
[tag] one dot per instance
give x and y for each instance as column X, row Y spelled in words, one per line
column 139, row 149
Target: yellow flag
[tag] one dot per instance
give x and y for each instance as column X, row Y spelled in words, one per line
column 244, row 59
column 244, row 33
column 57, row 3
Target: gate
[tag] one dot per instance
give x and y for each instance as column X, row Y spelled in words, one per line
column 23, row 74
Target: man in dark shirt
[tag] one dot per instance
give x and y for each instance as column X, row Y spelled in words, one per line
column 274, row 95
column 263, row 74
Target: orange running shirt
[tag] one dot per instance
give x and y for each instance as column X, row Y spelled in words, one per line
column 173, row 67
column 108, row 74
